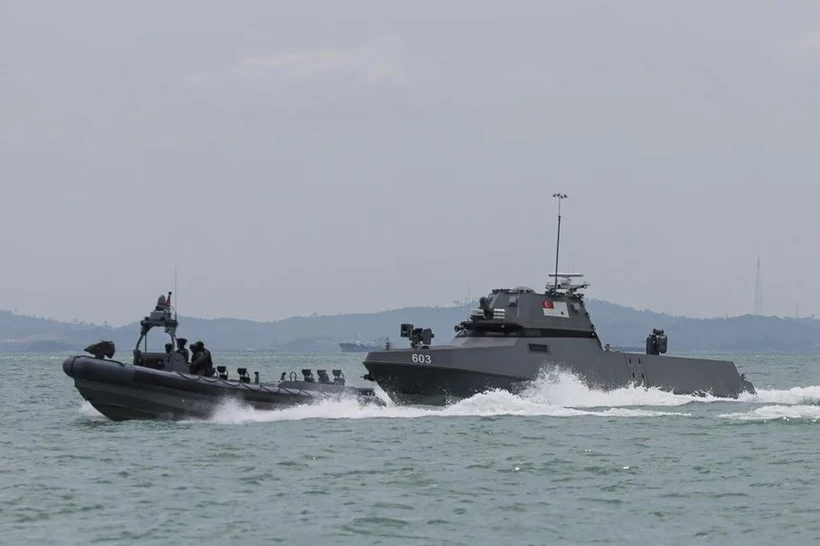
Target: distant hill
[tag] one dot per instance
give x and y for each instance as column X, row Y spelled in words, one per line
column 616, row 324
column 620, row 325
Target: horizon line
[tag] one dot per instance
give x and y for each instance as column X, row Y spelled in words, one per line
column 14, row 312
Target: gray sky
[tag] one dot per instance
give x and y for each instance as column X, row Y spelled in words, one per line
column 293, row 157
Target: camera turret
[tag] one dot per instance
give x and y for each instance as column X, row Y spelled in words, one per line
column 417, row 336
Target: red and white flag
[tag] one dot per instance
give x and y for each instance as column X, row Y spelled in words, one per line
column 555, row 309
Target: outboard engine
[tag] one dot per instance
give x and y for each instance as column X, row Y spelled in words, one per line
column 323, row 377
column 101, row 349
column 656, row 342
column 338, row 377
column 223, row 372
column 308, row 375
column 243, row 375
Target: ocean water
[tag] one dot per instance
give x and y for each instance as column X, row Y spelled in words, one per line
column 560, row 464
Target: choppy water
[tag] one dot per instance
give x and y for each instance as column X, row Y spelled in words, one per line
column 559, row 465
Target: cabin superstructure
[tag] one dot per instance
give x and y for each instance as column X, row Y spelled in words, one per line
column 522, row 312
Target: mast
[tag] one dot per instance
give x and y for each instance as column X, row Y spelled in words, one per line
column 560, row 197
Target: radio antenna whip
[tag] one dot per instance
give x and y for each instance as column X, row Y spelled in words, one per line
column 176, row 307
column 561, row 197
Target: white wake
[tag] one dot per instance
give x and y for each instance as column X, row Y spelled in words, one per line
column 558, row 394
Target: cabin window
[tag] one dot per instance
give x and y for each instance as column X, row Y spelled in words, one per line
column 539, row 348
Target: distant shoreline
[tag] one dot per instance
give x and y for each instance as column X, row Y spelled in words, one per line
column 618, row 325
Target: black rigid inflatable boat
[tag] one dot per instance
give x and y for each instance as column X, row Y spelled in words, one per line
column 160, row 385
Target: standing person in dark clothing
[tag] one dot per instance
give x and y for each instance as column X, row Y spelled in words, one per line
column 201, row 362
column 181, row 341
column 195, row 366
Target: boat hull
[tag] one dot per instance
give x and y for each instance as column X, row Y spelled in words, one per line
column 439, row 375
column 435, row 386
column 122, row 392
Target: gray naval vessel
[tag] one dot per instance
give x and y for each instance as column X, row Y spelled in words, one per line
column 160, row 385
column 517, row 334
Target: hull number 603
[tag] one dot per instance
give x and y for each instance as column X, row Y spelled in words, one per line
column 421, row 359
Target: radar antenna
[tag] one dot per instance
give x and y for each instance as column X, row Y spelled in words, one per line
column 560, row 197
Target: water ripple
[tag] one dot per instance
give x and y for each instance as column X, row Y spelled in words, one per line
column 561, row 464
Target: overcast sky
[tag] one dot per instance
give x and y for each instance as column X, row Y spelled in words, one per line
column 294, row 157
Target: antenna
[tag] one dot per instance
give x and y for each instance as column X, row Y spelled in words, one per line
column 175, row 292
column 560, row 197
column 758, row 290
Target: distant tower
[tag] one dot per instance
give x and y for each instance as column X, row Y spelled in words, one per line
column 758, row 293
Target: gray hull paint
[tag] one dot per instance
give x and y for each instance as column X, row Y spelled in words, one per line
column 492, row 353
column 455, row 373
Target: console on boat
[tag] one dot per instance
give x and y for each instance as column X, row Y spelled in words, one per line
column 163, row 316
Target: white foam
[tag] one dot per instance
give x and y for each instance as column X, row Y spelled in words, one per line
column 566, row 389
column 87, row 410
column 795, row 396
column 482, row 405
column 777, row 412
column 556, row 395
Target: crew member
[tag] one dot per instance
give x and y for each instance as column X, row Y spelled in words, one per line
column 201, row 362
column 168, row 348
column 181, row 341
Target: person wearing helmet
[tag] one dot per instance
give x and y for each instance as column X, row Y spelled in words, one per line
column 181, row 341
column 201, row 362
